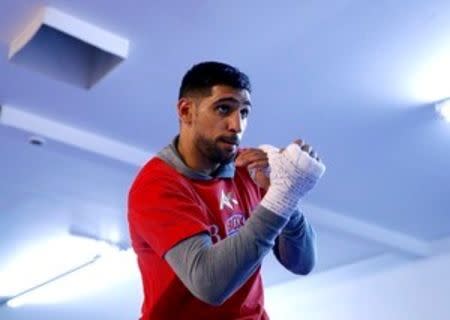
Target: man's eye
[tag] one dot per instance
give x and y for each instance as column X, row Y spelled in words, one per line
column 245, row 113
column 223, row 109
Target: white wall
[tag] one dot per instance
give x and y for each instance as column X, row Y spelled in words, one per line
column 413, row 291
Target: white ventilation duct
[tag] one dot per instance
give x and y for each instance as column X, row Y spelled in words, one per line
column 67, row 48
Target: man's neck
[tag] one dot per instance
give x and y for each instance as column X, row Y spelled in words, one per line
column 193, row 158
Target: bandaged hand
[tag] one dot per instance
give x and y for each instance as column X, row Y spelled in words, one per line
column 293, row 173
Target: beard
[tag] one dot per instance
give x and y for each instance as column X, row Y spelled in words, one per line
column 211, row 150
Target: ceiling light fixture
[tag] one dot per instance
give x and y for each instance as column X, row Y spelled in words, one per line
column 107, row 263
column 21, row 298
column 443, row 109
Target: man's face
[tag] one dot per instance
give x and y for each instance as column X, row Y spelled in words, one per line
column 219, row 121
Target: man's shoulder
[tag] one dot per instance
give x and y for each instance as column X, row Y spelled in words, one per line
column 156, row 165
column 155, row 170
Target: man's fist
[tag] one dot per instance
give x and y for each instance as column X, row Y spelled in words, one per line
column 257, row 164
column 294, row 171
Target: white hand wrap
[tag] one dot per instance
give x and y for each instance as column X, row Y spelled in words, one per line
column 293, row 172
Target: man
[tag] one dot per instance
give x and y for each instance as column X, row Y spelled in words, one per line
column 203, row 213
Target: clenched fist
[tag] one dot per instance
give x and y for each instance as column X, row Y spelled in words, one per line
column 294, row 171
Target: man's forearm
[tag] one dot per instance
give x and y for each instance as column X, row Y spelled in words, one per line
column 214, row 272
column 295, row 248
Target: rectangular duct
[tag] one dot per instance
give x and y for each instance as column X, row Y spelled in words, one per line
column 67, row 48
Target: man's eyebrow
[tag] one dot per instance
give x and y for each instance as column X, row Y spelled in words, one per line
column 233, row 100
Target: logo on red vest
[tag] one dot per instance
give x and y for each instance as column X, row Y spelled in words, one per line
column 227, row 200
column 233, row 223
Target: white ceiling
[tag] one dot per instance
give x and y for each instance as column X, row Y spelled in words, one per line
column 357, row 79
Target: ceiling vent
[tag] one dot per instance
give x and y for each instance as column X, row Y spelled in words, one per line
column 67, row 48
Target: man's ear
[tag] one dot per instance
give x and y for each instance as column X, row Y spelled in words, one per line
column 185, row 110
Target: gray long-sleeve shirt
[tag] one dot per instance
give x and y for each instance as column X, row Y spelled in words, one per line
column 213, row 272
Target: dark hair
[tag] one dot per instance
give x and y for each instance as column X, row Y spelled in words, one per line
column 203, row 76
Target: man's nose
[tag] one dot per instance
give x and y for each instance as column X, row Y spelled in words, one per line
column 235, row 122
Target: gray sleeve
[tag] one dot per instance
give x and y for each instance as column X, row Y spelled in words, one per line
column 295, row 248
column 213, row 272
